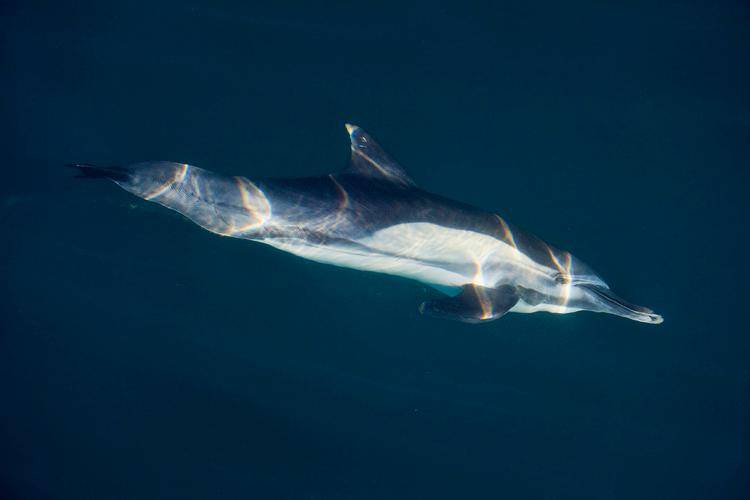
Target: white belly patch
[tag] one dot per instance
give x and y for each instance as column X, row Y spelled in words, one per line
column 426, row 252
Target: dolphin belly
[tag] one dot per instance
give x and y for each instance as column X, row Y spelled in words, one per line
column 366, row 259
column 430, row 253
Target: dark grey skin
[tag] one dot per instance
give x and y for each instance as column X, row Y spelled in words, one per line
column 372, row 216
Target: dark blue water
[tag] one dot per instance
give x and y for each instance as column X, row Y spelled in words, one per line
column 141, row 357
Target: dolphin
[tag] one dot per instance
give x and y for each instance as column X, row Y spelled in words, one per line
column 372, row 216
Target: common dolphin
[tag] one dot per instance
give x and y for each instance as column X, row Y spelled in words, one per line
column 372, row 216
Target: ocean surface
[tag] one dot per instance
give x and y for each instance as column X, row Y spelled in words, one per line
column 142, row 357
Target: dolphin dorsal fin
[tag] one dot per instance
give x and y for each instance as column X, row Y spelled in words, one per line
column 369, row 159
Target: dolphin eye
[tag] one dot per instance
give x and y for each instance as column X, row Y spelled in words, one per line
column 562, row 279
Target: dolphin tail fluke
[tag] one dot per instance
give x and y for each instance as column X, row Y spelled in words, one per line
column 88, row 171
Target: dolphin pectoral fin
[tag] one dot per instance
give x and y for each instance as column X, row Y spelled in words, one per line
column 475, row 304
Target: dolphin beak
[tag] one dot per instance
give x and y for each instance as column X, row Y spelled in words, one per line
column 606, row 301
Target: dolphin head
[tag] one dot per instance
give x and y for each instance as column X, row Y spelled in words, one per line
column 582, row 289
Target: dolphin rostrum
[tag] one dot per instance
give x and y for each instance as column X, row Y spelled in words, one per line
column 372, row 216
